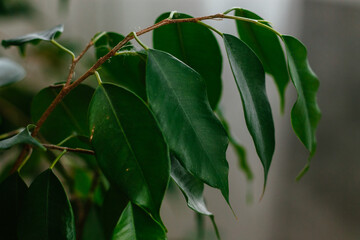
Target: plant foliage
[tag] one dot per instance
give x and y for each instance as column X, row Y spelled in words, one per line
column 153, row 118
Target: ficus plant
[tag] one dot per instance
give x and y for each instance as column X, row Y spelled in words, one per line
column 152, row 119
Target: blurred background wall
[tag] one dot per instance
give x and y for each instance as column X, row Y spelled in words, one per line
column 325, row 204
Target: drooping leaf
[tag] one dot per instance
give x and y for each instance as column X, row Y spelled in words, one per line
column 136, row 224
column 68, row 118
column 250, row 79
column 24, row 137
column 47, row 211
column 305, row 113
column 240, row 151
column 34, row 38
column 195, row 45
column 177, row 96
column 266, row 46
column 10, row 72
column 190, row 186
column 129, row 146
column 127, row 69
column 114, row 204
column 12, row 193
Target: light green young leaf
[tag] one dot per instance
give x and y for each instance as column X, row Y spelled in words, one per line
column 250, row 79
column 177, row 96
column 136, row 224
column 23, row 137
column 47, row 211
column 10, row 72
column 305, row 113
column 195, row 45
column 266, row 46
column 129, row 146
column 12, row 194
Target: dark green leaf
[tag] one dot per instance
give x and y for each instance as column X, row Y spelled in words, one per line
column 305, row 113
column 135, row 224
column 239, row 150
column 23, row 137
column 127, row 69
column 47, row 212
column 34, row 38
column 191, row 187
column 250, row 79
column 195, row 45
column 93, row 229
column 114, row 204
column 129, row 146
column 177, row 95
column 12, row 193
column 68, row 118
column 266, row 46
column 10, row 72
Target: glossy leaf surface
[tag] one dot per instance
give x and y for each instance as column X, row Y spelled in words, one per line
column 250, row 79
column 177, row 96
column 12, row 194
column 47, row 211
column 35, row 38
column 305, row 113
column 191, row 187
column 266, row 46
column 10, row 72
column 195, row 45
column 136, row 224
column 129, row 146
column 23, row 137
column 68, row 118
column 126, row 69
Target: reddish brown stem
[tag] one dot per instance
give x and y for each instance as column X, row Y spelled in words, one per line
column 78, row 150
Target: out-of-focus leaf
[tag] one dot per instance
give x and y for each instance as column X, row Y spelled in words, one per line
column 267, row 47
column 136, row 224
column 129, row 146
column 93, row 229
column 23, row 137
column 191, row 187
column 195, row 45
column 34, row 38
column 12, row 193
column 305, row 113
column 114, row 204
column 127, row 69
column 177, row 96
column 250, row 79
column 47, row 211
column 82, row 183
column 10, row 72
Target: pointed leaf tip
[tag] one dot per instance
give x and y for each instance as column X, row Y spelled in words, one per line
column 23, row 137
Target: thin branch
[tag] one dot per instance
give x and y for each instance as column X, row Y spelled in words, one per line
column 78, row 150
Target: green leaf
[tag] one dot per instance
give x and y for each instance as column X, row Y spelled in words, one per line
column 127, row 69
column 135, row 224
column 190, row 186
column 10, row 72
column 23, row 137
column 195, row 45
column 68, row 118
column 267, row 47
column 34, row 38
column 250, row 79
column 12, row 193
column 47, row 211
column 129, row 146
column 114, row 204
column 305, row 113
column 177, row 96
column 92, row 228
column 240, row 151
